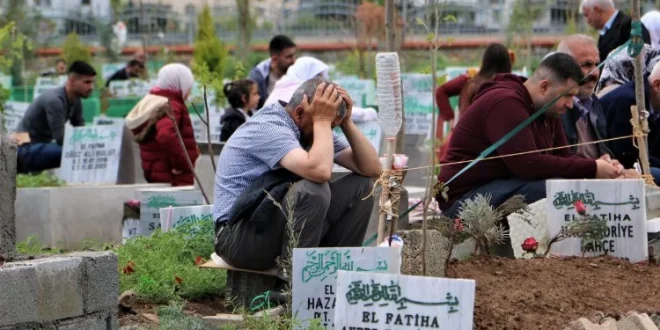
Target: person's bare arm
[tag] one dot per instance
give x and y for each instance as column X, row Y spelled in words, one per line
column 361, row 157
column 316, row 165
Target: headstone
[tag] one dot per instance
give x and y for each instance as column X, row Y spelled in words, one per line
column 5, row 81
column 91, row 154
column 621, row 203
column 129, row 88
column 534, row 224
column 45, row 83
column 7, row 198
column 103, row 120
column 418, row 103
column 152, row 200
column 11, row 117
column 361, row 91
column 398, row 302
column 173, row 217
column 371, row 130
column 315, row 273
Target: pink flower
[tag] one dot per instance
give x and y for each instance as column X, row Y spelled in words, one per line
column 458, row 225
column 580, row 207
column 530, row 245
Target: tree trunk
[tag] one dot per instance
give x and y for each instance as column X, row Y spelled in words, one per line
column 244, row 27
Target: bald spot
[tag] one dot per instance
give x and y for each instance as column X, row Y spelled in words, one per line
column 655, row 74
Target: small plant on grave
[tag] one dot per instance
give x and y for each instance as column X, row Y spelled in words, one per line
column 163, row 267
column 483, row 222
column 588, row 228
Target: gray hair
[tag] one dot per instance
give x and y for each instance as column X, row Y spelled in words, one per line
column 567, row 44
column 309, row 88
column 588, row 4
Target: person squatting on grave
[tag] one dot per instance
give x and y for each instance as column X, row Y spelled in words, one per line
column 289, row 150
column 585, row 122
column 496, row 59
column 616, row 106
column 133, row 69
column 163, row 159
column 40, row 134
column 498, row 108
column 282, row 55
column 243, row 97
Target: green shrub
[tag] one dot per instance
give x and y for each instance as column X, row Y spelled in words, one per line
column 158, row 261
column 74, row 50
column 44, row 179
column 209, row 56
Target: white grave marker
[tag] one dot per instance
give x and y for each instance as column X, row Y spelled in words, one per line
column 200, row 129
column 621, row 203
column 152, row 200
column 172, row 217
column 129, row 88
column 103, row 120
column 45, row 83
column 398, row 302
column 14, row 112
column 91, row 154
column 315, row 274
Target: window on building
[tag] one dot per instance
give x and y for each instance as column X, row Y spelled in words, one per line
column 86, row 2
column 496, row 16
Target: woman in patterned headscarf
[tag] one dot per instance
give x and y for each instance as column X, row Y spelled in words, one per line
column 619, row 69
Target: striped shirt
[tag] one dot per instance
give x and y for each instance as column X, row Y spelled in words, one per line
column 255, row 149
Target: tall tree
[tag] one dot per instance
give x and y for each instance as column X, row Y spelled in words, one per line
column 210, row 54
column 17, row 11
column 244, row 27
column 521, row 22
column 74, row 50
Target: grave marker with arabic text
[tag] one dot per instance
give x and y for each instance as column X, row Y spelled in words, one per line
column 621, row 203
column 90, row 154
column 152, row 200
column 315, row 272
column 397, row 302
column 173, row 217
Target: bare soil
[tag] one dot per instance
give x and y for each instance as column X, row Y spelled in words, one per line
column 551, row 293
column 543, row 294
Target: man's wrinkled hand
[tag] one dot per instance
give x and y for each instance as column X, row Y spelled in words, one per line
column 325, row 104
column 349, row 105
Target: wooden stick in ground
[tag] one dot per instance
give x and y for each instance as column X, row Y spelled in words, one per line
column 395, row 198
column 639, row 114
column 185, row 151
column 208, row 129
column 384, row 195
column 640, row 139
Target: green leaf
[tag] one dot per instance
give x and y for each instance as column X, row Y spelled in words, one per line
column 450, row 18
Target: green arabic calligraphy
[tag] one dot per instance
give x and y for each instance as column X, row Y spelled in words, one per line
column 160, row 201
column 90, row 134
column 330, row 262
column 193, row 218
column 562, row 199
column 383, row 294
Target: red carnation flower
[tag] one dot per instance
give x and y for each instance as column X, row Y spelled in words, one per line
column 580, row 207
column 530, row 245
column 458, row 225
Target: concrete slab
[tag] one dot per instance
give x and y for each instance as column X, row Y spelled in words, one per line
column 67, row 217
column 59, row 290
column 18, row 301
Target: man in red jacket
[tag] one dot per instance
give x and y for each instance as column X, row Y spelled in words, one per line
column 498, row 108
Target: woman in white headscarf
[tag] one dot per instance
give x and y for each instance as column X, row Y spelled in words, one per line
column 651, row 21
column 163, row 159
column 303, row 69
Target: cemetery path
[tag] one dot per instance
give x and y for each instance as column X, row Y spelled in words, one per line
column 551, row 293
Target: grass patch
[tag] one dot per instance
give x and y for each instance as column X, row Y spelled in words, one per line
column 43, row 179
column 162, row 268
column 34, row 246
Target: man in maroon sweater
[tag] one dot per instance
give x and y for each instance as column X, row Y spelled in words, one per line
column 498, row 108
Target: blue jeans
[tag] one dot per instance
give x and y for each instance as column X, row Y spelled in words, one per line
column 655, row 173
column 500, row 191
column 36, row 157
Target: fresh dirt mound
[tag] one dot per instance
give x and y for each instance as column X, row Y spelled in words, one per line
column 551, row 293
